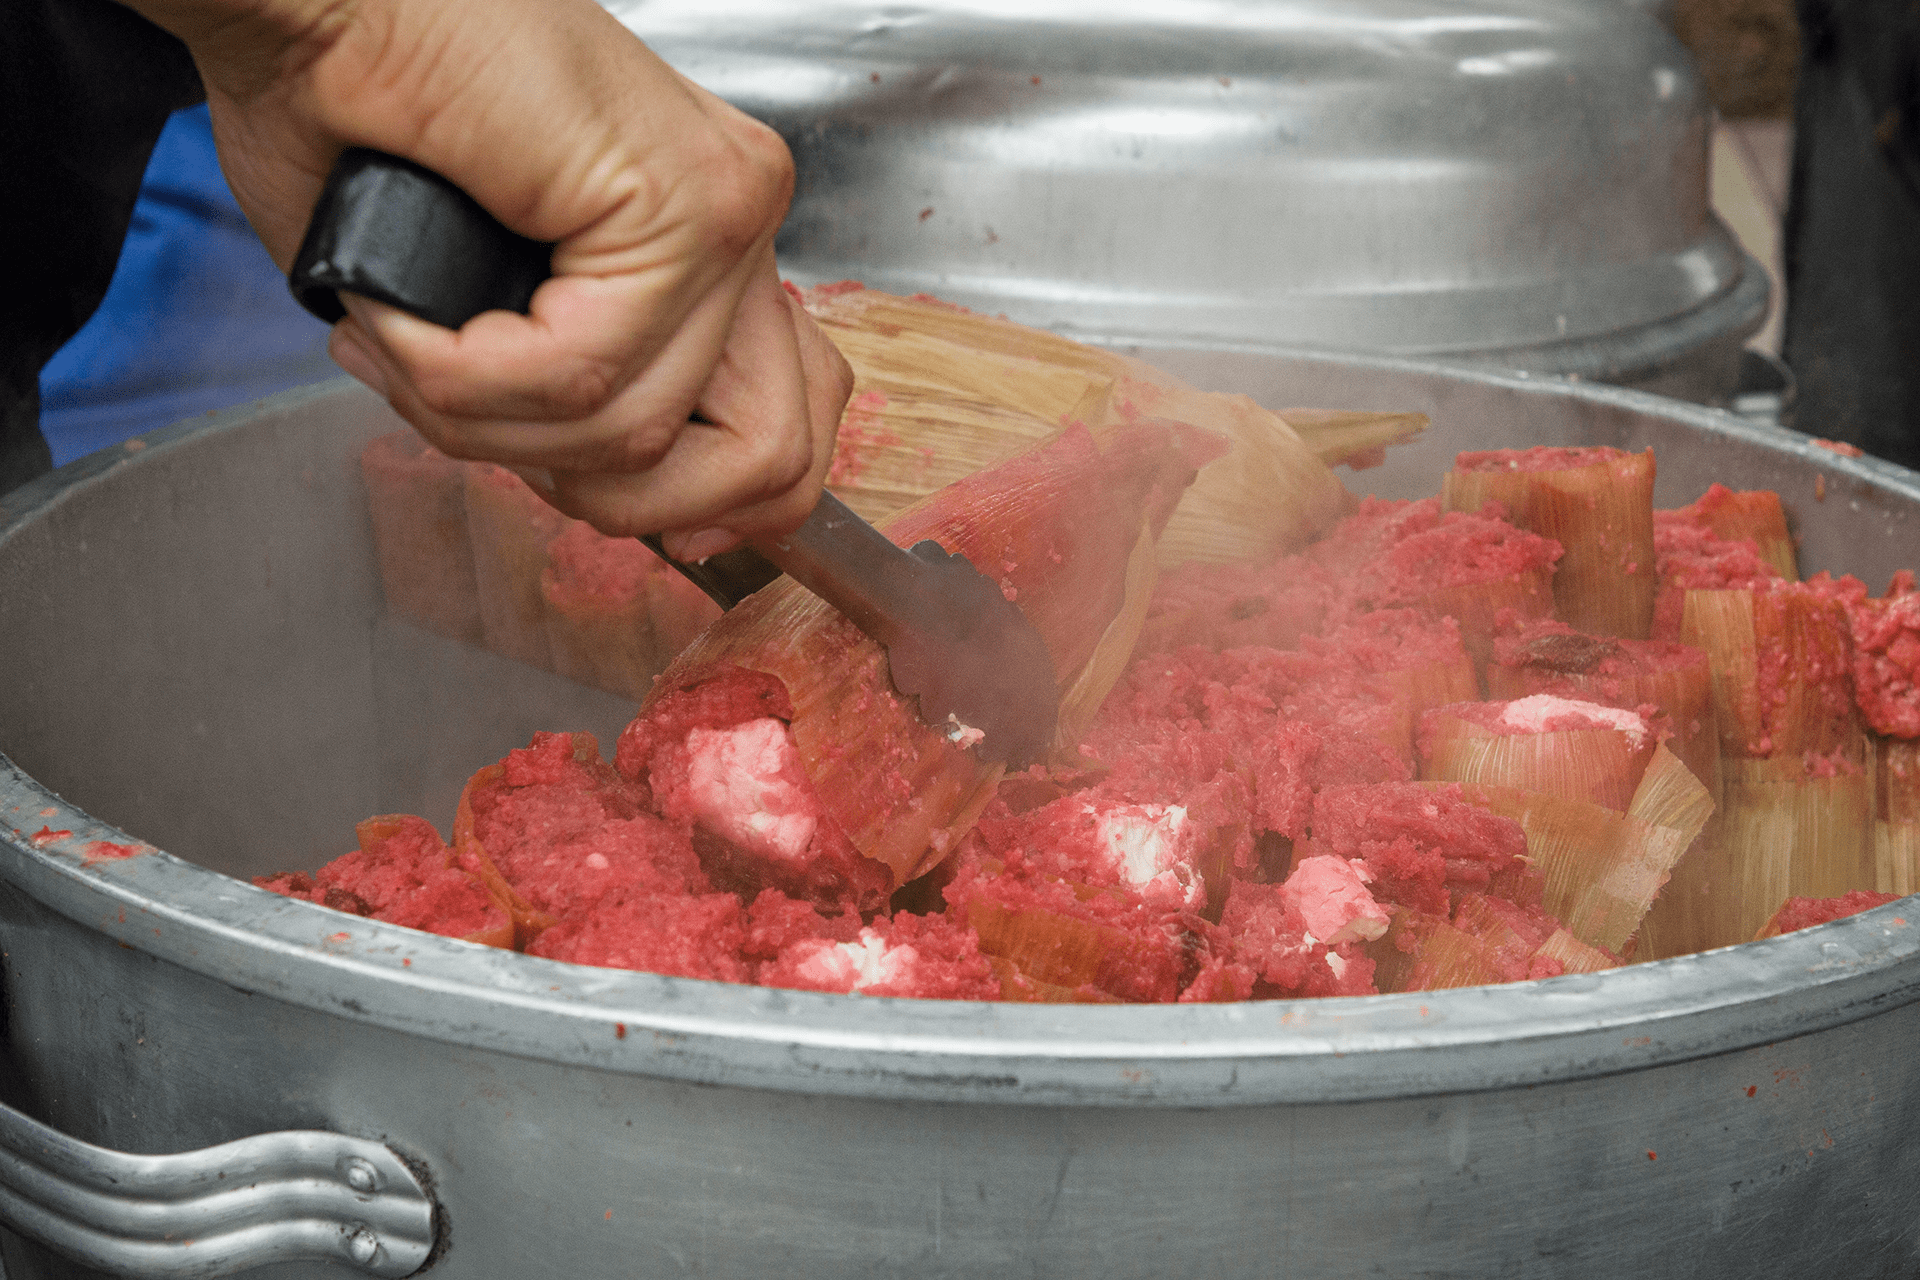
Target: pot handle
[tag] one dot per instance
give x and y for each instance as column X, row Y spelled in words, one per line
column 297, row 1195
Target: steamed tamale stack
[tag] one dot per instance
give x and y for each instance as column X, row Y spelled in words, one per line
column 1597, row 503
column 1061, row 528
column 1797, row 777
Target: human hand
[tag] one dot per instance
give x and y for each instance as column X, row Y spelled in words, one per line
column 663, row 378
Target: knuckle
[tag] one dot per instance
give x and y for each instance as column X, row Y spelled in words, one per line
column 782, row 461
column 442, row 394
column 748, row 187
column 579, row 389
column 639, row 449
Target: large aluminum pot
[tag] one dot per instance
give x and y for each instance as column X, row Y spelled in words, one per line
column 1522, row 183
column 193, row 651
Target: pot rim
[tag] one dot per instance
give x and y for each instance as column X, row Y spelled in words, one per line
column 1345, row 1049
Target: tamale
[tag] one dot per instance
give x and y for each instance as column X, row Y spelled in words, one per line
column 1781, row 658
column 1741, row 516
column 599, row 616
column 946, row 390
column 1545, row 656
column 403, row 873
column 1801, row 830
column 1604, row 868
column 1896, row 829
column 1575, row 750
column 1597, row 503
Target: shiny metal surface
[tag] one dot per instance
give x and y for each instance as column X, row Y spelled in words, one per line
column 195, row 652
column 952, row 639
column 1519, row 182
column 275, row 1197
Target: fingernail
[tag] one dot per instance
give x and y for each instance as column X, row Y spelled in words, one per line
column 347, row 352
column 691, row 548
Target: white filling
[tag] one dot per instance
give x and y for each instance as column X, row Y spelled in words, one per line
column 1147, row 845
column 1331, row 895
column 1531, row 715
column 854, row 966
column 746, row 784
column 1143, row 839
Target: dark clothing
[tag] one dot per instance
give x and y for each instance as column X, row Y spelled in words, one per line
column 85, row 86
column 1852, row 331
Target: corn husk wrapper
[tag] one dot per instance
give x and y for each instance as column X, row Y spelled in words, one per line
column 1435, row 684
column 1421, row 952
column 1795, row 836
column 1354, row 437
column 1685, row 694
column 944, row 391
column 470, row 854
column 1268, row 496
column 510, row 527
column 1896, row 829
column 1753, row 515
column 1731, row 626
column 1574, row 955
column 1592, row 766
column 1017, row 986
column 1476, row 606
column 1444, row 957
column 1447, row 958
column 1069, row 959
column 1601, row 514
column 1061, row 528
column 416, row 496
column 371, row 831
column 925, row 412
column 1604, row 868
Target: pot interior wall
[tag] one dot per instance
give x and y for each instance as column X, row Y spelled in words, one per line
column 196, row 647
column 198, row 652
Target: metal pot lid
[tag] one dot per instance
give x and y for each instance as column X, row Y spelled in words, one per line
column 1264, row 1052
column 1407, row 176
